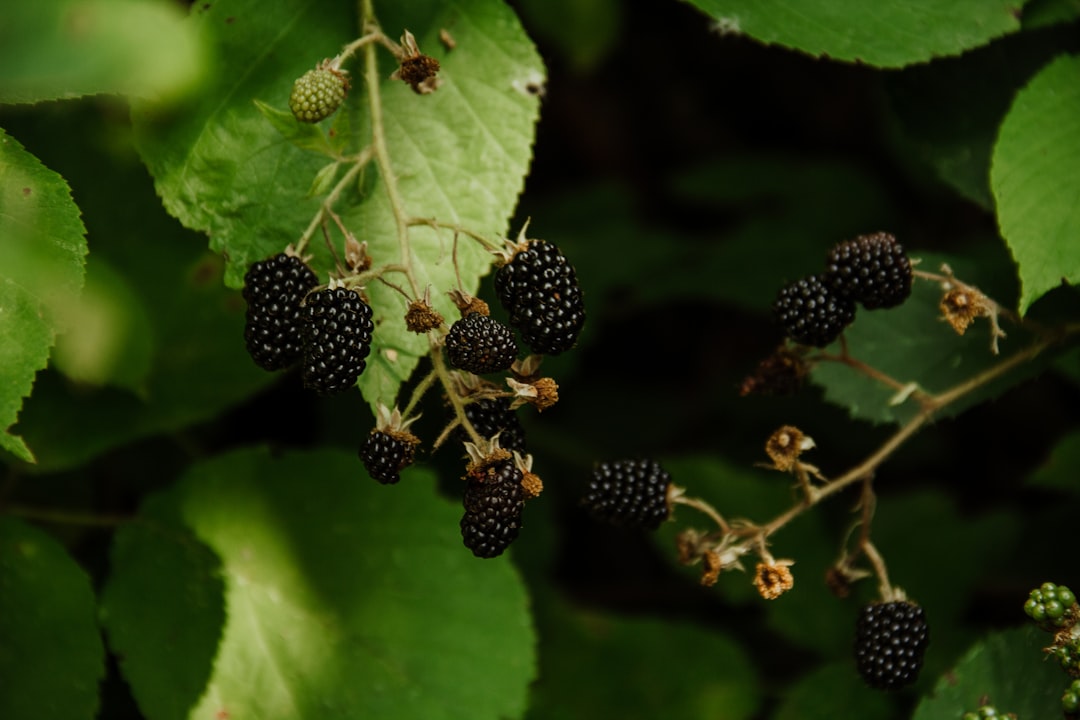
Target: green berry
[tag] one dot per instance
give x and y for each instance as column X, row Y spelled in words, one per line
column 1070, row 701
column 1065, row 596
column 1048, row 588
column 317, row 94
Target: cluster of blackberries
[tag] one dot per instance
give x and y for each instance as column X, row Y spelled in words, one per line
column 890, row 640
column 873, row 270
column 288, row 322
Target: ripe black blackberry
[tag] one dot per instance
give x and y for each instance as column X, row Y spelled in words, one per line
column 872, row 270
column 386, row 453
column 493, row 415
column 273, row 289
column 629, row 493
column 493, row 502
column 538, row 287
column 890, row 640
column 811, row 312
column 337, row 338
column 480, row 344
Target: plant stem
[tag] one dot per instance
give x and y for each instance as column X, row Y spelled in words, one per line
column 326, row 206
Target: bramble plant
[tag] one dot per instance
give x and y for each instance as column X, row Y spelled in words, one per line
column 323, row 398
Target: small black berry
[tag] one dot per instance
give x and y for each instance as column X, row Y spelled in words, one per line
column 890, row 640
column 811, row 312
column 872, row 270
column 629, row 493
column 493, row 506
column 337, row 338
column 273, row 289
column 538, row 287
column 386, row 454
column 480, row 344
column 492, row 416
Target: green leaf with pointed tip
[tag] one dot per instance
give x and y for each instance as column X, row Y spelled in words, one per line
column 306, row 136
column 892, row 33
column 343, row 598
column 1035, row 182
column 41, row 274
column 67, row 48
column 460, row 154
column 1007, row 670
column 51, row 655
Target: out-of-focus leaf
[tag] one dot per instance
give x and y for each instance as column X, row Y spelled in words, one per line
column 1060, row 471
column 51, row 655
column 892, row 33
column 830, row 692
column 41, row 274
column 1040, row 13
column 67, row 48
column 1035, row 182
column 343, row 598
column 581, row 31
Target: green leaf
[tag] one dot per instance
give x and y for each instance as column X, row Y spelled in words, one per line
column 583, row 32
column 460, row 154
column 1035, row 182
column 110, row 338
column 306, row 136
column 1040, row 13
column 886, row 34
column 1060, row 471
column 67, row 48
column 51, row 655
column 830, row 692
column 1007, row 670
column 41, row 274
column 164, row 609
column 611, row 667
column 343, row 597
column 911, row 343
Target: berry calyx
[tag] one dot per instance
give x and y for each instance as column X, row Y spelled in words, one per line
column 494, row 499
column 873, row 270
column 480, row 344
column 811, row 312
column 890, row 641
column 539, row 289
column 337, row 339
column 629, row 493
column 273, row 289
column 318, row 93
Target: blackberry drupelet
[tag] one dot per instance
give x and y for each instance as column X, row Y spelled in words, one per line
column 273, row 289
column 890, row 640
column 629, row 493
column 386, row 454
column 493, row 506
column 493, row 415
column 337, row 338
column 538, row 287
column 811, row 312
column 872, row 270
column 480, row 344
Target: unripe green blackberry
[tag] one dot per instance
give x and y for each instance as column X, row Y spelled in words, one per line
column 273, row 289
column 493, row 502
column 629, row 493
column 1070, row 700
column 890, row 640
column 386, row 454
column 872, row 270
column 538, row 287
column 317, row 94
column 337, row 339
column 1052, row 606
column 811, row 312
column 480, row 344
column 492, row 416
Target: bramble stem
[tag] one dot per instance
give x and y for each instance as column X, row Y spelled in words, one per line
column 432, row 222
column 326, row 206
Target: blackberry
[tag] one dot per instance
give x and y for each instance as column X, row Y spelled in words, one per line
column 480, row 344
column 871, row 269
column 337, row 338
column 890, row 639
column 811, row 312
column 1051, row 606
column 386, row 454
column 317, row 94
column 493, row 415
column 538, row 287
column 493, row 505
column 629, row 493
column 273, row 289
